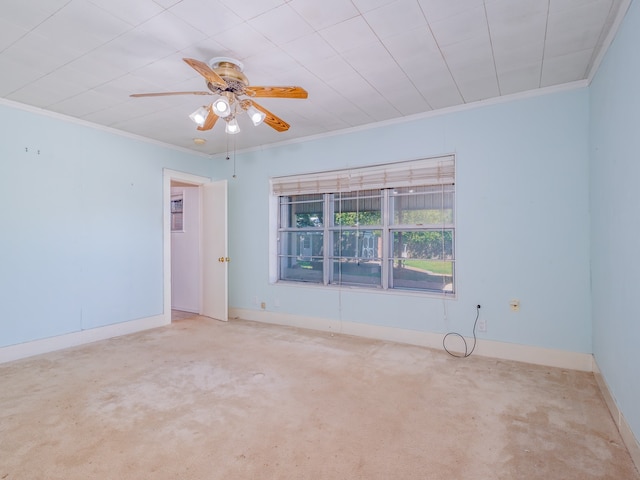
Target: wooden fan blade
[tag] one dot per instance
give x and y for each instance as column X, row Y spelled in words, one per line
column 211, row 120
column 204, row 70
column 164, row 94
column 274, row 122
column 276, row 92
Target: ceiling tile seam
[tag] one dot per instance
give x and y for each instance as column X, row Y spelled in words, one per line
column 79, row 57
column 315, row 30
column 168, row 11
column 338, row 92
column 493, row 53
column 100, row 7
column 313, row 74
column 399, row 68
column 444, row 59
column 393, row 57
column 93, row 89
column 291, row 9
column 297, row 62
column 103, row 109
column 319, row 32
column 35, row 27
column 544, row 47
column 207, row 36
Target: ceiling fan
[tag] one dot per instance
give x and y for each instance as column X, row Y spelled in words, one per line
column 226, row 81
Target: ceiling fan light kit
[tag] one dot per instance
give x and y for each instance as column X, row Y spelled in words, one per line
column 256, row 116
column 232, row 127
column 225, row 79
column 221, row 107
column 199, row 116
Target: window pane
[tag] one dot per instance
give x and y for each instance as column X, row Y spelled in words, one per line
column 357, row 257
column 423, row 244
column 301, row 256
column 301, row 211
column 429, row 275
column 301, row 270
column 358, row 208
column 357, row 244
column 301, row 244
column 423, row 260
column 423, row 205
column 356, row 272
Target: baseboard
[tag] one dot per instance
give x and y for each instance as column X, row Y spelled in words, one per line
column 185, row 309
column 630, row 441
column 486, row 348
column 45, row 345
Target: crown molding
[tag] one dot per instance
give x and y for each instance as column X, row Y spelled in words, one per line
column 577, row 85
column 335, row 133
column 608, row 40
column 96, row 126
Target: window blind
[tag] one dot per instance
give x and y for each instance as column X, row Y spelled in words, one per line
column 428, row 171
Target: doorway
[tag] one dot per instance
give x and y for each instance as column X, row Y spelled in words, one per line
column 203, row 280
column 186, row 275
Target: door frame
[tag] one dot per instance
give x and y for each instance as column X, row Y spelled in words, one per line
column 196, row 181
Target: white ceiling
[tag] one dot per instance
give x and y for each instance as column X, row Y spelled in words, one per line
column 362, row 61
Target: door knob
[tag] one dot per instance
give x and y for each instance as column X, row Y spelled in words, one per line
column 221, row 259
column 227, row 259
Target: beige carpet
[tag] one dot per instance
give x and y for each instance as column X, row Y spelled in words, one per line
column 202, row 399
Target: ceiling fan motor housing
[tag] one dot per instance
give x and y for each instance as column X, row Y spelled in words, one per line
column 231, row 71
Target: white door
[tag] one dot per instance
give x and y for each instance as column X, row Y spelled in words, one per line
column 215, row 257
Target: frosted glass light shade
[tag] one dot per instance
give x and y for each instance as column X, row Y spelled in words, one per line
column 256, row 116
column 232, row 127
column 199, row 116
column 221, row 107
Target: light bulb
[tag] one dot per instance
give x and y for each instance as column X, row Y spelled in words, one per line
column 199, row 116
column 221, row 107
column 232, row 127
column 256, row 116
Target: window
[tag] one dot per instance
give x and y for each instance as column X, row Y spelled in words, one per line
column 394, row 230
column 177, row 202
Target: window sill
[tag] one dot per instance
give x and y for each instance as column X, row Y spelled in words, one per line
column 367, row 290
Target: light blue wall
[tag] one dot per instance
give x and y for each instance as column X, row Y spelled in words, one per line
column 615, row 216
column 82, row 241
column 522, row 222
column 81, row 226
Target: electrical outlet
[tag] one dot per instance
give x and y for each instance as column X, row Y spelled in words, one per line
column 482, row 325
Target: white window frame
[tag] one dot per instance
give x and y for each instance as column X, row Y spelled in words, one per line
column 423, row 172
